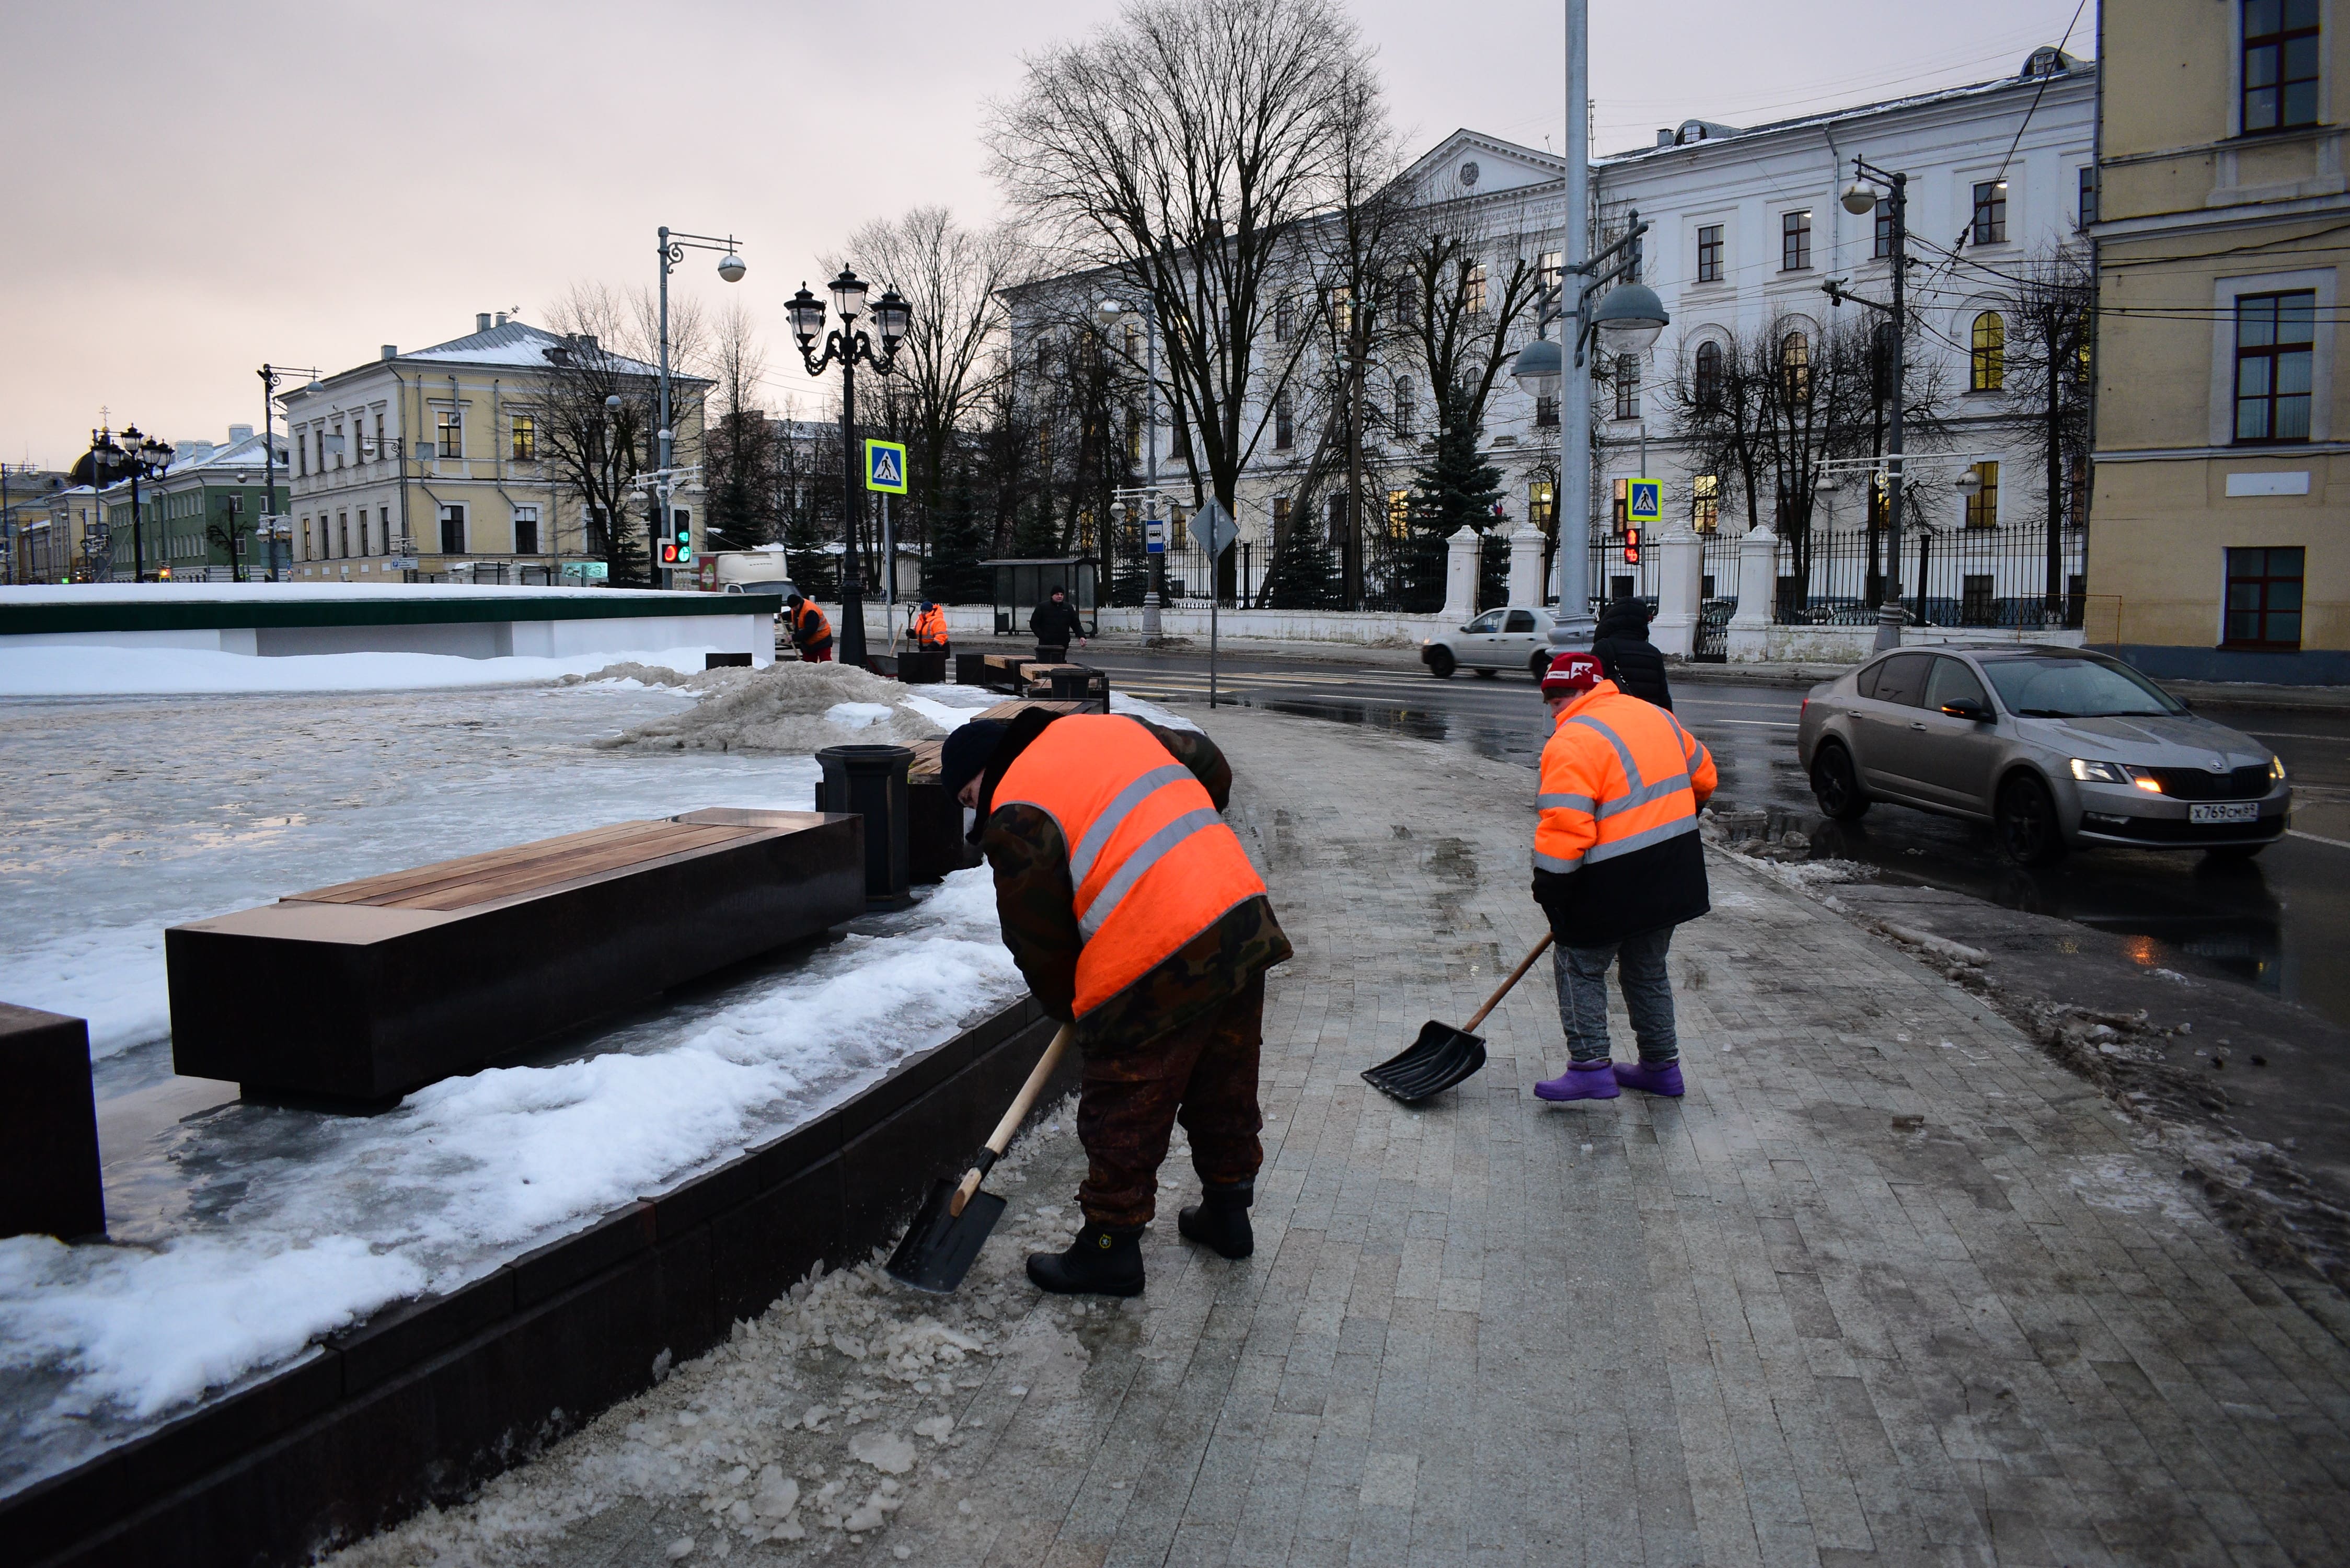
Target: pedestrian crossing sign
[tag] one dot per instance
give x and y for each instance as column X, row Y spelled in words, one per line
column 1644, row 502
column 885, row 466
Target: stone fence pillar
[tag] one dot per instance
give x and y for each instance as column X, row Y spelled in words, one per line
column 1758, row 593
column 1681, row 581
column 1526, row 565
column 1463, row 554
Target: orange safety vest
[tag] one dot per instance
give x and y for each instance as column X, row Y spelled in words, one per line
column 1150, row 862
column 810, row 629
column 1619, row 775
column 931, row 628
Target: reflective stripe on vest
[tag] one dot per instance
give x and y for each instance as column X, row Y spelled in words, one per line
column 1651, row 805
column 1151, row 865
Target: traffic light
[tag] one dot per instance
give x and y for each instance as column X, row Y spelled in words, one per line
column 1631, row 546
column 677, row 550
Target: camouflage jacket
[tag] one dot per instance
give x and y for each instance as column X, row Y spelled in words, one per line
column 1036, row 904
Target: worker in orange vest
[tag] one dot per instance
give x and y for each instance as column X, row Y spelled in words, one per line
column 1135, row 914
column 811, row 632
column 929, row 627
column 1618, row 864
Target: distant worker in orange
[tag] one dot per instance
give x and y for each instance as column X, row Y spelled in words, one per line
column 1618, row 864
column 811, row 633
column 931, row 628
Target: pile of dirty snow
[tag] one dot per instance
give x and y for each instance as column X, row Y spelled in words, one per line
column 792, row 708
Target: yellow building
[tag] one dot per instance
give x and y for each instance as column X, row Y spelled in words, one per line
column 2218, row 549
column 448, row 462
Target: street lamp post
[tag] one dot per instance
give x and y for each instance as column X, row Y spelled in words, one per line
column 1858, row 198
column 1153, row 595
column 671, row 251
column 846, row 345
column 1627, row 321
column 145, row 458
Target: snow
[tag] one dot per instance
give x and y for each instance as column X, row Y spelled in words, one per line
column 83, row 669
column 243, row 1232
column 856, row 716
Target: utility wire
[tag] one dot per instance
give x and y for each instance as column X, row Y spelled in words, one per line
column 2000, row 177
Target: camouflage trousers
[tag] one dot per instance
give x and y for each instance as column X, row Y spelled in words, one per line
column 1203, row 1075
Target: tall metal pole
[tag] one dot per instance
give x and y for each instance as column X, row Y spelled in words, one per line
column 653, row 573
column 269, row 466
column 1571, row 626
column 138, row 529
column 852, row 588
column 1889, row 612
column 1151, row 595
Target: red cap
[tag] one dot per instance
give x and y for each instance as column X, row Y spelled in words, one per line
column 1570, row 673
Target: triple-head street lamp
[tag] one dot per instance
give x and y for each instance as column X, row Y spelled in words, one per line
column 846, row 345
column 133, row 456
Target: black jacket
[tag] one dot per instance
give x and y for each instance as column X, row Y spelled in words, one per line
column 1057, row 625
column 1626, row 657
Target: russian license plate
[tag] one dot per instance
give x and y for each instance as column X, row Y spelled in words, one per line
column 2247, row 811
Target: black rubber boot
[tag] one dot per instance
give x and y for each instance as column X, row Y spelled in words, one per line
column 1099, row 1262
column 1220, row 1220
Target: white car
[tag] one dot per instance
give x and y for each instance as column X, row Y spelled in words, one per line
column 1499, row 639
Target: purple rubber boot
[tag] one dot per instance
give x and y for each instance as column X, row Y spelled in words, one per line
column 1665, row 1080
column 1581, row 1081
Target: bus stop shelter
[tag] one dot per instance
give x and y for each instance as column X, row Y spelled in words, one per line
column 1022, row 584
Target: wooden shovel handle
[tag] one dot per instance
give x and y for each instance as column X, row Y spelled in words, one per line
column 1022, row 1104
column 1494, row 1000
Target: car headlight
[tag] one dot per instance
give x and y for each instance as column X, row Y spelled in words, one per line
column 2089, row 771
column 2276, row 769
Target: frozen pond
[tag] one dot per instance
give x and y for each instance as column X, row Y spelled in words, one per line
column 242, row 1233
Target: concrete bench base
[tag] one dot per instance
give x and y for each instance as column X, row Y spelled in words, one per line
column 49, row 1182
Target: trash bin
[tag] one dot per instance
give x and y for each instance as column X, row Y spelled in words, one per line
column 870, row 782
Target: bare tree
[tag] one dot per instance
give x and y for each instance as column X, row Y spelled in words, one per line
column 739, row 447
column 2050, row 306
column 598, row 420
column 1175, row 153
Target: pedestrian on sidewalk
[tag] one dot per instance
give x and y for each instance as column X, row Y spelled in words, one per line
column 1057, row 623
column 1618, row 864
column 811, row 632
column 1135, row 915
column 930, row 629
column 1620, row 642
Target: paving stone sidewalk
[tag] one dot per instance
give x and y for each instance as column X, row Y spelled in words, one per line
column 1887, row 1287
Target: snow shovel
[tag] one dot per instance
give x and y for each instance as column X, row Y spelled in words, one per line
column 955, row 1218
column 1443, row 1055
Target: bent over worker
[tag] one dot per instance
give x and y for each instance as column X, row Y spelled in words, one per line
column 929, row 627
column 1618, row 864
column 1134, row 913
column 811, row 632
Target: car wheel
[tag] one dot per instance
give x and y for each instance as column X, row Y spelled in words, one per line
column 2025, row 820
column 1538, row 667
column 1836, row 786
column 1441, row 664
column 2233, row 852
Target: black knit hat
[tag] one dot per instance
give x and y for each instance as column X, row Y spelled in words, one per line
column 967, row 748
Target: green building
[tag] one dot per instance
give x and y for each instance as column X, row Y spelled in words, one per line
column 199, row 521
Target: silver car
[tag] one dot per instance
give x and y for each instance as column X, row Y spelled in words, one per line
column 2056, row 747
column 1509, row 639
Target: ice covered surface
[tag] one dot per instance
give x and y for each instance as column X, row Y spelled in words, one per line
column 93, row 671
column 313, row 593
column 242, row 1231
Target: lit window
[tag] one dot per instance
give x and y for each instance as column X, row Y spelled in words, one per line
column 1549, row 268
column 1541, row 503
column 1983, row 507
column 525, row 439
column 2279, row 65
column 1705, row 502
column 1472, row 289
column 1796, row 366
column 1986, row 354
column 1709, row 252
column 1342, row 309
column 1399, row 513
column 1990, row 212
column 2275, row 337
column 1619, row 511
column 1795, row 241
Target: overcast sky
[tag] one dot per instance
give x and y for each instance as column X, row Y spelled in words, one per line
column 200, row 188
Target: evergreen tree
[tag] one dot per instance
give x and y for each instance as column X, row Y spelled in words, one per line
column 958, row 541
column 1456, row 485
column 1302, row 570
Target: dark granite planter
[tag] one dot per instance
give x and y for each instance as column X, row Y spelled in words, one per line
column 49, row 1182
column 431, row 1398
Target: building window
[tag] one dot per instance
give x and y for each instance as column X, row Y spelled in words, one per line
column 1342, row 309
column 1709, row 252
column 383, row 527
column 1976, row 600
column 2263, row 598
column 453, row 530
column 1284, row 320
column 1280, row 515
column 2274, row 334
column 1795, row 241
column 1707, row 381
column 1547, row 414
column 1549, row 268
column 1627, row 386
column 302, row 453
column 2280, row 65
column 2088, row 208
column 365, row 547
column 1398, row 513
column 525, row 439
column 1284, row 432
column 1541, row 503
column 1983, row 507
column 1986, row 354
column 1795, row 367
column 1405, row 411
column 305, row 538
column 1705, row 502
column 335, row 446
column 1882, row 247
column 1472, row 289
column 525, row 530
column 452, row 432
column 1990, row 212
column 1619, row 511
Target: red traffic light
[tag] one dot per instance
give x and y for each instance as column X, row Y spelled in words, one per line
column 1631, row 546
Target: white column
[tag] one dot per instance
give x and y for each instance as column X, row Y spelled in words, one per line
column 1460, row 562
column 1681, row 581
column 1758, row 589
column 1526, row 565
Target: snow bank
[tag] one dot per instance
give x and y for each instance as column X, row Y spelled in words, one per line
column 91, row 671
column 787, row 707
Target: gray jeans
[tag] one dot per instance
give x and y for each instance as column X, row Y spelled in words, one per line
column 1647, row 996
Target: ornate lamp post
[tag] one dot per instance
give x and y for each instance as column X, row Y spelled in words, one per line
column 1860, row 198
column 673, row 248
column 846, row 345
column 133, row 456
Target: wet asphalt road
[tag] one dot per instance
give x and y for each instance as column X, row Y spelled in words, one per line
column 2280, row 923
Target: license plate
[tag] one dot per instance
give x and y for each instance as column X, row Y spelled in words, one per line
column 2249, row 811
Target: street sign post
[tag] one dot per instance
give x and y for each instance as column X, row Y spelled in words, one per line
column 1213, row 528
column 1644, row 502
column 885, row 467
column 1154, row 536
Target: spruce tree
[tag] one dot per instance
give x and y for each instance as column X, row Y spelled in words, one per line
column 959, row 543
column 1301, row 572
column 1455, row 488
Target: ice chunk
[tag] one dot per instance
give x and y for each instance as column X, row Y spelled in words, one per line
column 884, row 1451
column 778, row 1494
column 856, row 716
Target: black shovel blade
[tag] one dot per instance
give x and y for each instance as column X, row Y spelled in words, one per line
column 1442, row 1058
column 939, row 1247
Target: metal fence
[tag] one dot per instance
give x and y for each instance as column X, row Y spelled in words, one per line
column 1988, row 577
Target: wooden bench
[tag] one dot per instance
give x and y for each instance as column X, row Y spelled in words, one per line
column 367, row 989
